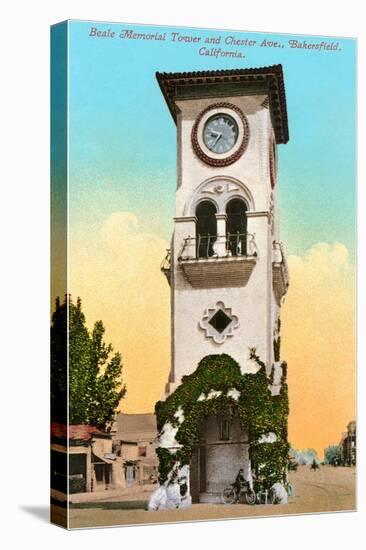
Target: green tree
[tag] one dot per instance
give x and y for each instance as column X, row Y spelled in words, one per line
column 332, row 455
column 95, row 372
column 304, row 456
column 59, row 363
column 107, row 370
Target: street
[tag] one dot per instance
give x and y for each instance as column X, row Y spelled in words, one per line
column 325, row 490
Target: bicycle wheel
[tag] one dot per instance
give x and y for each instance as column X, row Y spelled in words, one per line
column 272, row 497
column 228, row 495
column 250, row 497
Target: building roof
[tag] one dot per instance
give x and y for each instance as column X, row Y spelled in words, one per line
column 108, row 458
column 351, row 426
column 82, row 432
column 132, row 426
column 262, row 80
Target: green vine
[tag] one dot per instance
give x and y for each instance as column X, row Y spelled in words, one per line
column 259, row 413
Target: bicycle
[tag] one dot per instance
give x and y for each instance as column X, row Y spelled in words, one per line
column 230, row 495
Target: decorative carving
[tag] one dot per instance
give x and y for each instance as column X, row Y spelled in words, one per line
column 220, row 188
column 272, row 163
column 230, row 159
column 219, row 322
column 265, row 103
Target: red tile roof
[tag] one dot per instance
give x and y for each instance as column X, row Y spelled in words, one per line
column 73, row 431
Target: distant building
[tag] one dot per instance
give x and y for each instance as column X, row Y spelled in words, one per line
column 92, row 464
column 99, row 460
column 134, row 441
column 347, row 445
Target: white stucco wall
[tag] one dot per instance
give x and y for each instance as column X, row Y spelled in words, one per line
column 249, row 178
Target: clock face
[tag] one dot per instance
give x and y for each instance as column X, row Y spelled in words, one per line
column 220, row 133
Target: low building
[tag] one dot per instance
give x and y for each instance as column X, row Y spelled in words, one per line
column 135, row 442
column 92, row 464
column 347, row 445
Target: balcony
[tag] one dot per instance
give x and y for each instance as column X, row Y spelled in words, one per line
column 166, row 266
column 280, row 276
column 217, row 261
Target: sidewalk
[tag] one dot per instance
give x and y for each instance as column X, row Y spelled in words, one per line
column 135, row 492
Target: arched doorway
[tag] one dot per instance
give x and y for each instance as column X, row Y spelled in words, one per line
column 206, row 229
column 221, row 449
column 236, row 227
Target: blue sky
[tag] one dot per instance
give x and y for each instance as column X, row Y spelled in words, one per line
column 123, row 143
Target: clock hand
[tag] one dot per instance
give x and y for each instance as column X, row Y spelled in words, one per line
column 217, row 139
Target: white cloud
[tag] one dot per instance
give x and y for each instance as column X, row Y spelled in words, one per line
column 116, row 270
column 318, row 342
column 328, row 262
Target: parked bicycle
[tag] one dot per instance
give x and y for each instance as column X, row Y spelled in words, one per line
column 244, row 494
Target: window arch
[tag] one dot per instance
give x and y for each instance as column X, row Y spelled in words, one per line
column 236, row 227
column 206, row 229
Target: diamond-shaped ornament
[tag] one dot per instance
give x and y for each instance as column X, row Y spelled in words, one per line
column 219, row 322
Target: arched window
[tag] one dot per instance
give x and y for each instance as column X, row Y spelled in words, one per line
column 206, row 229
column 236, row 227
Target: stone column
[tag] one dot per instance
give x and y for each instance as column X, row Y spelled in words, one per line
column 220, row 244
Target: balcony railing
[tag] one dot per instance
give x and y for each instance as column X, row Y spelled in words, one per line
column 221, row 261
column 217, row 261
column 218, row 246
column 166, row 265
column 279, row 270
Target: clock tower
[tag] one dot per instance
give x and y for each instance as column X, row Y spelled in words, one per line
column 226, row 267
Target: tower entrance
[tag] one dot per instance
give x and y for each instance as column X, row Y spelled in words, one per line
column 221, row 450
